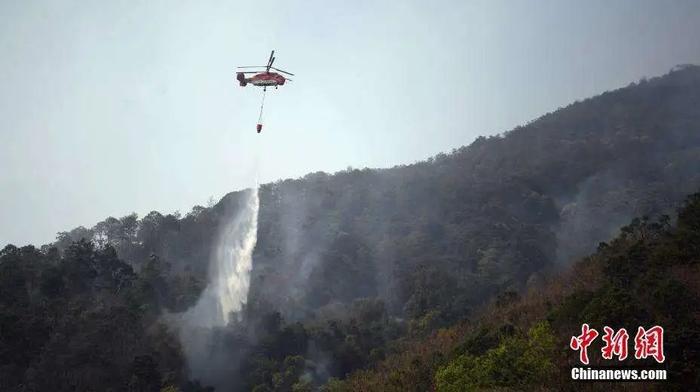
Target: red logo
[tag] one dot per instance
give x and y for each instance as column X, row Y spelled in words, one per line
column 582, row 342
column 615, row 343
column 650, row 343
column 647, row 343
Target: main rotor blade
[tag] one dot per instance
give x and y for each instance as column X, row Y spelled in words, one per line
column 253, row 66
column 277, row 69
column 272, row 57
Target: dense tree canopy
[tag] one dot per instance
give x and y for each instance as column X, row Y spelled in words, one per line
column 646, row 276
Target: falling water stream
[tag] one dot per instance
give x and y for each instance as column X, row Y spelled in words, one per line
column 226, row 292
column 229, row 271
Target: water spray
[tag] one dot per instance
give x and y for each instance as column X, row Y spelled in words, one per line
column 229, row 271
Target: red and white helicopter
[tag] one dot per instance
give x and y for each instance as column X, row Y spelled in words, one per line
column 263, row 78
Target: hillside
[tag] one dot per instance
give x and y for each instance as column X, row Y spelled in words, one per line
column 347, row 264
column 648, row 275
column 487, row 217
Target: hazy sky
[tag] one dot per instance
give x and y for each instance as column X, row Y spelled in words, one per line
column 112, row 107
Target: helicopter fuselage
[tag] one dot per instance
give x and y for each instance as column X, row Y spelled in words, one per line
column 262, row 79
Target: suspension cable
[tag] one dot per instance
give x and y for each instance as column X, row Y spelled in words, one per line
column 261, row 106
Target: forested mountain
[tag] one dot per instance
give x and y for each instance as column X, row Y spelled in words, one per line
column 648, row 275
column 347, row 265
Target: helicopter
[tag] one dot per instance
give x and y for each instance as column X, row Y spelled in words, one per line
column 263, row 78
